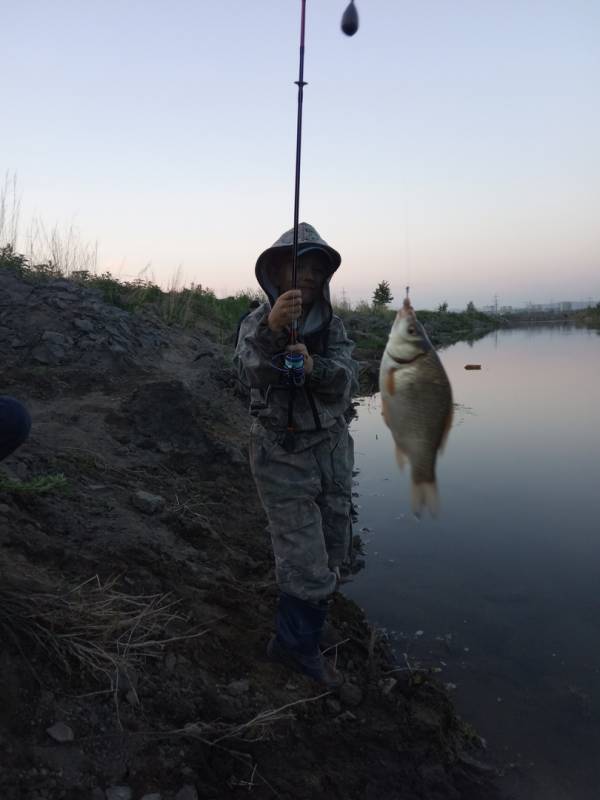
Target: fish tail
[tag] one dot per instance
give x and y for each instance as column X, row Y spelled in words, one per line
column 425, row 495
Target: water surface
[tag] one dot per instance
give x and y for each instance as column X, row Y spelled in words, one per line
column 502, row 592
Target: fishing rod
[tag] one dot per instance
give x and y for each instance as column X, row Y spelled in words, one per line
column 294, row 362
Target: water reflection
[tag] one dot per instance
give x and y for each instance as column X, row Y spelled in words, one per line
column 502, row 589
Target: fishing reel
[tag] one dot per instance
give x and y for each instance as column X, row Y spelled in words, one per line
column 292, row 367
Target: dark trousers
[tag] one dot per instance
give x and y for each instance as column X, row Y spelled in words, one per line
column 15, row 424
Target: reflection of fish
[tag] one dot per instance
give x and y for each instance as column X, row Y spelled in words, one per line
column 417, row 403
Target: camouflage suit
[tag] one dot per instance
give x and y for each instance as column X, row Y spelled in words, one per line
column 303, row 479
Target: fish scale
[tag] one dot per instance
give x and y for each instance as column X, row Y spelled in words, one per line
column 416, row 404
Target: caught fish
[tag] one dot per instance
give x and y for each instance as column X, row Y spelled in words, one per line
column 416, row 403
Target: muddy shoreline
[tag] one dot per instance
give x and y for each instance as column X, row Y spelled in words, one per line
column 137, row 590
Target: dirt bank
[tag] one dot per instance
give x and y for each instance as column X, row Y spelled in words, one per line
column 137, row 590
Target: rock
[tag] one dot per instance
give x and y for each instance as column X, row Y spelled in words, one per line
column 56, row 302
column 333, row 705
column 229, row 707
column 187, row 793
column 153, row 796
column 435, row 778
column 114, row 347
column 64, row 285
column 239, row 687
column 474, row 763
column 132, row 698
column 188, row 772
column 55, row 338
column 170, row 662
column 425, row 719
column 387, row 685
column 119, row 793
column 84, row 325
column 4, row 509
column 346, row 716
column 61, row 732
column 21, row 471
column 148, row 503
column 98, row 794
column 350, row 694
column 48, row 354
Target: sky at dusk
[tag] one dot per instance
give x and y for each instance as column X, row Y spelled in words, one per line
column 451, row 146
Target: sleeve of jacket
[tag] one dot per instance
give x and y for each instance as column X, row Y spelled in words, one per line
column 336, row 373
column 257, row 344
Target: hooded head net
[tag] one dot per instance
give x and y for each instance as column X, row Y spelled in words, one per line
column 270, row 260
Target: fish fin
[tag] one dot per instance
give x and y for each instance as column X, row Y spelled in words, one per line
column 389, row 382
column 446, row 431
column 425, row 494
column 384, row 411
column 401, row 457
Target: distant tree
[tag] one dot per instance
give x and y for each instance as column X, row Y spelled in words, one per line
column 442, row 308
column 382, row 295
column 471, row 307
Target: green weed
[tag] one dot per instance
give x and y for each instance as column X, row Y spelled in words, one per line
column 41, row 484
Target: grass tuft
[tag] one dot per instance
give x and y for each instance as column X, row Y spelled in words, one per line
column 41, row 484
column 91, row 628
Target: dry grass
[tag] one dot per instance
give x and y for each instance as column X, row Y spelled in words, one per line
column 93, row 627
column 254, row 730
column 58, row 252
column 62, row 250
column 10, row 210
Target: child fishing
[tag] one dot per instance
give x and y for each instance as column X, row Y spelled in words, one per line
column 301, row 452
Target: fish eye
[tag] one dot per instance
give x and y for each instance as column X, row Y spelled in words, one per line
column 412, row 330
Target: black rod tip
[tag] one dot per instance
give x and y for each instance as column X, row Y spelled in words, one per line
column 350, row 19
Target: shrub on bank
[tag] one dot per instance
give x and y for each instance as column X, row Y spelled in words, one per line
column 370, row 328
column 176, row 306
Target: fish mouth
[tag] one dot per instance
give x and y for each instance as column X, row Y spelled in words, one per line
column 407, row 310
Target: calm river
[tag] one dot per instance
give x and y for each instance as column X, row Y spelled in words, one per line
column 502, row 592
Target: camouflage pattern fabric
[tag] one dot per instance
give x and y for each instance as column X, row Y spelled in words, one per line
column 304, row 478
column 304, row 481
column 306, row 495
column 332, row 382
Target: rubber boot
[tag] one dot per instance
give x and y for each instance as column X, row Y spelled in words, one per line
column 296, row 643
